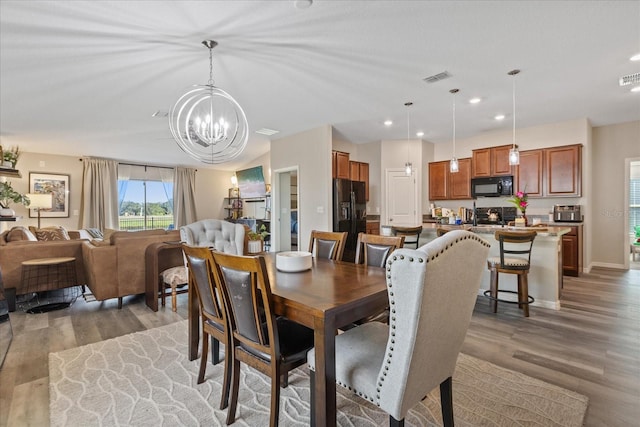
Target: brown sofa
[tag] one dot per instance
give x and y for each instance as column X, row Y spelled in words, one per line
column 116, row 267
column 15, row 247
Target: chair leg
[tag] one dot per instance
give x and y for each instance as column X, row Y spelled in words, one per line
column 119, row 303
column 224, row 402
column 523, row 282
column 203, row 358
column 284, row 379
column 215, row 351
column 446, row 402
column 275, row 399
column 162, row 294
column 312, row 397
column 395, row 423
column 494, row 290
column 235, row 383
column 174, row 298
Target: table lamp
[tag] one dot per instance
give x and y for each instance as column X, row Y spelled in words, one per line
column 39, row 201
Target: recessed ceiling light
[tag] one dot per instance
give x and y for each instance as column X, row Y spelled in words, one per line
column 420, row 133
column 635, row 89
column 388, row 122
column 499, row 117
column 635, row 57
column 266, row 131
column 474, row 100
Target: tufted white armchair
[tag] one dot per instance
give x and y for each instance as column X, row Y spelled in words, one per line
column 432, row 292
column 221, row 235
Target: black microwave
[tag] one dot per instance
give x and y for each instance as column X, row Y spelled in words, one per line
column 492, row 186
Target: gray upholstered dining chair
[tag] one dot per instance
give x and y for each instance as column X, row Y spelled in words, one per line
column 432, row 293
column 327, row 244
column 372, row 249
column 272, row 345
column 212, row 314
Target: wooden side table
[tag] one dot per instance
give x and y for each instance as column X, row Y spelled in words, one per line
column 159, row 257
column 47, row 274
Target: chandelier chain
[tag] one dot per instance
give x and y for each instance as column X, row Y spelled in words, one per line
column 210, row 66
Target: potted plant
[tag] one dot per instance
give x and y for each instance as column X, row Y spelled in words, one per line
column 10, row 157
column 7, row 196
column 256, row 239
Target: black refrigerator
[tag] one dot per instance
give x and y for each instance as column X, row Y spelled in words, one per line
column 349, row 212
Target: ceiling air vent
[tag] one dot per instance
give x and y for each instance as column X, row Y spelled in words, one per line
column 267, row 131
column 437, row 77
column 630, row 79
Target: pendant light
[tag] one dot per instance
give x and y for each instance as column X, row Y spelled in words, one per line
column 408, row 167
column 453, row 165
column 514, row 154
column 207, row 123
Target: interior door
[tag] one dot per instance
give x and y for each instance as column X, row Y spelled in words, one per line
column 401, row 198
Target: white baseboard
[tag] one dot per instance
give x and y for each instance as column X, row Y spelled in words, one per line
column 606, row 265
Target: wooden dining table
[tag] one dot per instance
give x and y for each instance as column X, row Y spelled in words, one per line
column 331, row 295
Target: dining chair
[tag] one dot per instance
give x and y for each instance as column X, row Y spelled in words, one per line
column 411, row 234
column 273, row 345
column 373, row 249
column 395, row 366
column 512, row 243
column 213, row 317
column 328, row 244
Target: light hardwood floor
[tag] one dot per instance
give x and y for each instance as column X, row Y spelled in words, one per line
column 591, row 345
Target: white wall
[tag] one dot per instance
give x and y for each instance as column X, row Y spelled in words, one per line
column 310, row 151
column 611, row 146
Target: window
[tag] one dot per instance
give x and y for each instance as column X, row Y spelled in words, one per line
column 634, row 196
column 145, row 197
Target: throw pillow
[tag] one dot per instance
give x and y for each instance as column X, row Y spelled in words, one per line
column 20, row 233
column 50, row 233
column 95, row 233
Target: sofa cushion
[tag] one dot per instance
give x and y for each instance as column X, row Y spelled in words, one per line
column 50, row 233
column 18, row 233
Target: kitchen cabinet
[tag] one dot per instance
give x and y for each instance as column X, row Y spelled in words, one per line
column 460, row 182
column 492, row 161
column 444, row 185
column 340, row 164
column 359, row 171
column 529, row 173
column 373, row 227
column 563, row 171
column 572, row 251
column 439, row 180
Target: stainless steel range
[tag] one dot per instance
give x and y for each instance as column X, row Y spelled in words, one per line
column 500, row 215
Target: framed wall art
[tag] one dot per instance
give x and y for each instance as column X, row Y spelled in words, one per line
column 58, row 186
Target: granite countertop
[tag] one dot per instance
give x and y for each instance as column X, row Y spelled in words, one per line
column 490, row 229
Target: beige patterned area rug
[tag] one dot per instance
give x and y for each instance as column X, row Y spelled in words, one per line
column 146, row 379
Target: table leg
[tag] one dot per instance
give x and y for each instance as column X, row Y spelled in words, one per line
column 194, row 326
column 325, row 383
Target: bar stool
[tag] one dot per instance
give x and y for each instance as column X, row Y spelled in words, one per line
column 411, row 234
column 520, row 243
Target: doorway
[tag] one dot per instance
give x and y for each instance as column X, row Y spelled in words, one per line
column 632, row 213
column 285, row 216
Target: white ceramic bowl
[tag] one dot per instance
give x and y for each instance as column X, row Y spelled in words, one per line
column 293, row 261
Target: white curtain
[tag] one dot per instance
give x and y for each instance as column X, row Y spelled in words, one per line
column 184, row 205
column 99, row 204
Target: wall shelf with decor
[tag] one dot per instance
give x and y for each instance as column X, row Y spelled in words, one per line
column 14, row 173
column 233, row 205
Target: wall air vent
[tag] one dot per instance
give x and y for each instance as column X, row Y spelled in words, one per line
column 437, row 77
column 630, row 79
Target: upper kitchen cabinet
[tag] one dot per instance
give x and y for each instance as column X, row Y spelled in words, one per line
column 444, row 185
column 439, row 180
column 460, row 182
column 493, row 161
column 340, row 164
column 529, row 173
column 563, row 171
column 359, row 171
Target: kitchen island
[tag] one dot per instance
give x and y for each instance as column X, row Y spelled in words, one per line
column 545, row 275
